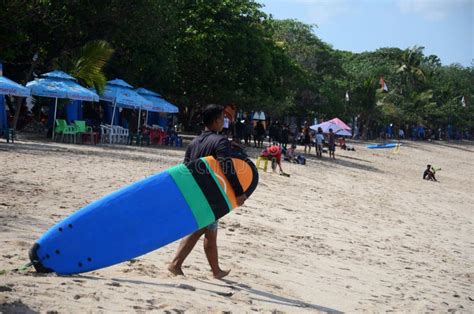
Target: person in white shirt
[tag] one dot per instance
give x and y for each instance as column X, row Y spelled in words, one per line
column 319, row 142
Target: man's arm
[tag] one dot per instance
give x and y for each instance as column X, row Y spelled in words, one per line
column 187, row 155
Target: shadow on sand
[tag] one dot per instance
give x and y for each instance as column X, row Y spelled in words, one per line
column 110, row 151
column 468, row 146
column 16, row 307
column 344, row 161
column 262, row 296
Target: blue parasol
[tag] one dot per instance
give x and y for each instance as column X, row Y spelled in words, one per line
column 159, row 103
column 58, row 84
column 121, row 94
column 8, row 87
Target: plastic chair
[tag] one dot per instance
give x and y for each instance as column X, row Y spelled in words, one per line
column 84, row 130
column 105, row 134
column 71, row 132
column 82, row 127
column 265, row 161
column 110, row 134
column 124, row 135
column 61, row 125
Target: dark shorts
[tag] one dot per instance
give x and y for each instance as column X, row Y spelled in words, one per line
column 332, row 147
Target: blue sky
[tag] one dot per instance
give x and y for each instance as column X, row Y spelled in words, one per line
column 444, row 27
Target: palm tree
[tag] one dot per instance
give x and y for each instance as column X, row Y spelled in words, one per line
column 410, row 67
column 87, row 63
column 365, row 100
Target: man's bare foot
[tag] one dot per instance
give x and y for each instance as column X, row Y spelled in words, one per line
column 221, row 274
column 175, row 271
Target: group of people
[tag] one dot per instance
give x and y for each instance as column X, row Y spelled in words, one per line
column 317, row 139
column 245, row 130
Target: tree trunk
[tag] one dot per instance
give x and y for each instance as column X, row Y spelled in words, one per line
column 365, row 131
column 20, row 99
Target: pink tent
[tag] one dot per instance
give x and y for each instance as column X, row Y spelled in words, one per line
column 340, row 123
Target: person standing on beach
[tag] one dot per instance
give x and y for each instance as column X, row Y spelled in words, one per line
column 209, row 143
column 331, row 144
column 259, row 134
column 307, row 138
column 319, row 142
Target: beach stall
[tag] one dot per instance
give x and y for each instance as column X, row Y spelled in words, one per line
column 11, row 88
column 58, row 84
column 159, row 107
column 122, row 95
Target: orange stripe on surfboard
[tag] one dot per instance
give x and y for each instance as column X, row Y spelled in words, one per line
column 244, row 174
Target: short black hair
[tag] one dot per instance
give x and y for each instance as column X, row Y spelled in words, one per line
column 211, row 113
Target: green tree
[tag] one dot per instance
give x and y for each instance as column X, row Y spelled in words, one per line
column 317, row 82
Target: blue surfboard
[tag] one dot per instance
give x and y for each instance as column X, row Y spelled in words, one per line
column 388, row 145
column 141, row 217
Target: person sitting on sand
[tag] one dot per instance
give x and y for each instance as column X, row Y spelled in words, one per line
column 342, row 143
column 273, row 153
column 290, row 154
column 429, row 173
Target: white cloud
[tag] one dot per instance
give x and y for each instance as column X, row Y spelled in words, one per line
column 433, row 10
column 321, row 11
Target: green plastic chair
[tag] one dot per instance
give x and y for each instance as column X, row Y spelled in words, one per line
column 71, row 132
column 82, row 127
column 61, row 125
column 64, row 129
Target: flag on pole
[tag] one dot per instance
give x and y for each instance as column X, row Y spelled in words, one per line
column 347, row 95
column 383, row 85
column 463, row 102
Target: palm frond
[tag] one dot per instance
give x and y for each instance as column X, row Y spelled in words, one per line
column 89, row 63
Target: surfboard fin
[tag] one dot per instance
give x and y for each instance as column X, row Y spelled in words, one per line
column 35, row 260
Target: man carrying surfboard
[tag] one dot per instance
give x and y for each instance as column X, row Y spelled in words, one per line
column 209, row 143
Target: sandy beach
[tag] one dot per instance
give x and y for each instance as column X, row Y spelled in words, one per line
column 363, row 233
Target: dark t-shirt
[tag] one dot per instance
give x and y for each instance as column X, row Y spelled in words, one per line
column 212, row 144
column 426, row 173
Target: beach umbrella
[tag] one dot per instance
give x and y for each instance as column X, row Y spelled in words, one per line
column 343, row 132
column 159, row 104
column 9, row 87
column 325, row 126
column 121, row 94
column 340, row 123
column 58, row 84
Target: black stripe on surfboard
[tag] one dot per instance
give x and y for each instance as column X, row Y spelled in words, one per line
column 253, row 184
column 209, row 188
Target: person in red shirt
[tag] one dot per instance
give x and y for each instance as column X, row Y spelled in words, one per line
column 273, row 153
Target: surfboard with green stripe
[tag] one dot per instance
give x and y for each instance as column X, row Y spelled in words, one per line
column 142, row 217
